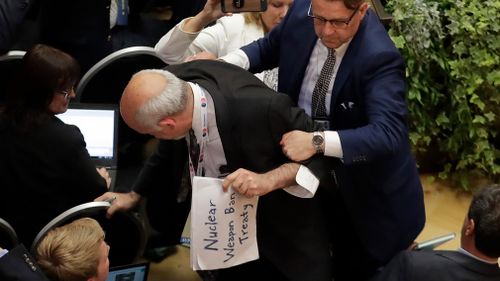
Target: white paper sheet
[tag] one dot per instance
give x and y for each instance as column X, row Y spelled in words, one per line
column 223, row 226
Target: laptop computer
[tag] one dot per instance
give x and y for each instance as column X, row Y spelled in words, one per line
column 99, row 126
column 130, row 272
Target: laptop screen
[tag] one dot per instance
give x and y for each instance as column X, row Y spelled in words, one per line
column 132, row 272
column 98, row 125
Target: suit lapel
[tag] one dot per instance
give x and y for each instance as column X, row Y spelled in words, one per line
column 348, row 61
column 292, row 70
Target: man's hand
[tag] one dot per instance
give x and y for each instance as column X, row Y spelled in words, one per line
column 248, row 183
column 297, row 145
column 119, row 201
column 105, row 175
column 252, row 184
column 210, row 13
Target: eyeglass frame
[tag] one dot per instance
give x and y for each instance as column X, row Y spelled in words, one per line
column 66, row 93
column 333, row 22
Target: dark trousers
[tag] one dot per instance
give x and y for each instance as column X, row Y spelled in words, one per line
column 350, row 259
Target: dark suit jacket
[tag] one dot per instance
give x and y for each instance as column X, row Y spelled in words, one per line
column 80, row 28
column 19, row 265
column 377, row 176
column 251, row 119
column 437, row 266
column 44, row 172
column 12, row 13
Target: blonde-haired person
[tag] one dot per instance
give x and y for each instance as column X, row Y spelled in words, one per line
column 75, row 252
column 229, row 33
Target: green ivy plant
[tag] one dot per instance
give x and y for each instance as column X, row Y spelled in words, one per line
column 452, row 53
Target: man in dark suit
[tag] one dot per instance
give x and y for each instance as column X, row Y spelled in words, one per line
column 12, row 13
column 18, row 265
column 475, row 260
column 245, row 122
column 379, row 201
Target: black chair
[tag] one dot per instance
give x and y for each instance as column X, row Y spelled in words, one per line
column 105, row 82
column 431, row 244
column 10, row 63
column 125, row 231
column 8, row 236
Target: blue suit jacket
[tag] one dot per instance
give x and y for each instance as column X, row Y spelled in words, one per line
column 377, row 176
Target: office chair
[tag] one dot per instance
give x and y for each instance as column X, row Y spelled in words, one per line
column 125, row 231
column 105, row 82
column 10, row 63
column 431, row 244
column 8, row 236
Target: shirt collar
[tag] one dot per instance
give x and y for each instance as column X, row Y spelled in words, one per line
column 196, row 123
column 465, row 252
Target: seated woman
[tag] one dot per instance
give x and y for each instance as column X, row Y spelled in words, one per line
column 229, row 33
column 45, row 168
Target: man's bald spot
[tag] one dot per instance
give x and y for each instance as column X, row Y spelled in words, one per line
column 140, row 89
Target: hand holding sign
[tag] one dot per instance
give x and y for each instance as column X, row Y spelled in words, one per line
column 223, row 226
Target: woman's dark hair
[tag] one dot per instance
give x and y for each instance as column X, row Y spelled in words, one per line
column 44, row 72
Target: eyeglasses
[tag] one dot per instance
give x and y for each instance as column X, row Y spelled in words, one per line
column 337, row 23
column 66, row 93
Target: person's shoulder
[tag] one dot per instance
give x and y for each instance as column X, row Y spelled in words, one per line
column 57, row 129
column 234, row 21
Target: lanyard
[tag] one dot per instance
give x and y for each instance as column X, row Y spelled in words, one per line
column 204, row 138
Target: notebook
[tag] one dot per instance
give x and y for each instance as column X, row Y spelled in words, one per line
column 98, row 124
column 131, row 272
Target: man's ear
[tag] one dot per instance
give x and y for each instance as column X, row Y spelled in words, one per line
column 167, row 122
column 470, row 227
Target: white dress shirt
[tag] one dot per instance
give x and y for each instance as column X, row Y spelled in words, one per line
column 333, row 146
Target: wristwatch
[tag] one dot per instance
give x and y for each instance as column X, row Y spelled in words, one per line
column 317, row 141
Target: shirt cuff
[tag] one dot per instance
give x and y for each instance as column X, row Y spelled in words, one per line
column 307, row 184
column 333, row 147
column 237, row 57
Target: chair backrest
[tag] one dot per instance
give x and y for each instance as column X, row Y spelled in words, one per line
column 125, row 231
column 106, row 80
column 10, row 63
column 435, row 242
column 8, row 236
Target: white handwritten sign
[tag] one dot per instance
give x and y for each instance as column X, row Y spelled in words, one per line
column 223, row 226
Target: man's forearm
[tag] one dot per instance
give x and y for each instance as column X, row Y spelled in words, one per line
column 283, row 176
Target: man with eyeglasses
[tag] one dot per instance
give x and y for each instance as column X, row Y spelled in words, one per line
column 338, row 63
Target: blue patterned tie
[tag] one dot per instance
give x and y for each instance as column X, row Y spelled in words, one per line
column 318, row 107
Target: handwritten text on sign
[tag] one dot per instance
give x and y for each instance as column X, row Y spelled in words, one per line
column 223, row 226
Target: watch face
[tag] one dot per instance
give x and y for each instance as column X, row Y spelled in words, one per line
column 317, row 140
